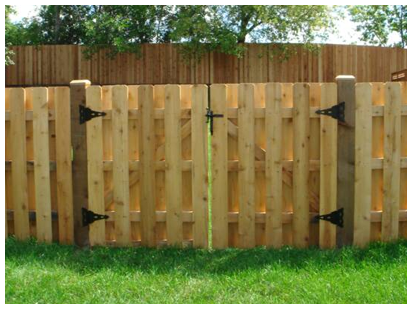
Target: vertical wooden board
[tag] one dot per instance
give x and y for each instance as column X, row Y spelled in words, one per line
column 287, row 154
column 363, row 155
column 403, row 185
column 260, row 142
column 199, row 139
column 19, row 167
column 41, row 164
column 64, row 165
column 30, row 157
column 159, row 144
column 378, row 99
column 301, row 135
column 328, row 167
column 133, row 146
column 97, row 232
column 186, row 102
column 314, row 154
column 121, row 165
column 391, row 162
column 273, row 165
column 233, row 154
column 246, row 177
column 147, row 169
column 173, row 158
column 108, row 155
column 219, row 169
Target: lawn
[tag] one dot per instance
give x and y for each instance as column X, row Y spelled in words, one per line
column 38, row 273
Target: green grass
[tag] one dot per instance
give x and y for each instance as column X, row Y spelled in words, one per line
column 39, row 273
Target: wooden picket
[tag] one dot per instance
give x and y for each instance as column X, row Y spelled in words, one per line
column 274, row 164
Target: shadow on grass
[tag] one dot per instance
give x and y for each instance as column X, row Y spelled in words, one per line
column 197, row 261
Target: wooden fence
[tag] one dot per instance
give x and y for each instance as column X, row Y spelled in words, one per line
column 274, row 164
column 163, row 64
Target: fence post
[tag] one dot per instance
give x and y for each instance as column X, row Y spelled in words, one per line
column 79, row 164
column 346, row 159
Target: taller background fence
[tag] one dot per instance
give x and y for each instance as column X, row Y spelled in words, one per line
column 162, row 64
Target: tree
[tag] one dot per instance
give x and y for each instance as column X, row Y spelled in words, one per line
column 121, row 28
column 377, row 22
column 223, row 27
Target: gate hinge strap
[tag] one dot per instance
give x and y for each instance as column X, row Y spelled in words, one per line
column 88, row 217
column 85, row 114
column 335, row 217
column 337, row 111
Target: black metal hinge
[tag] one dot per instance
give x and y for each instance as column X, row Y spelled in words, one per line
column 85, row 114
column 336, row 112
column 88, row 217
column 210, row 115
column 335, row 217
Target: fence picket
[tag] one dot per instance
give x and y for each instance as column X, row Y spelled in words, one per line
column 219, row 168
column 246, row 175
column 363, row 156
column 147, row 171
column 97, row 232
column 328, row 166
column 19, row 167
column 199, row 167
column 301, row 138
column 121, row 166
column 173, row 152
column 273, row 165
column 64, row 165
column 41, row 164
column 391, row 162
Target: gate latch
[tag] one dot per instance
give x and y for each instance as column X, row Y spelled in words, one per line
column 337, row 111
column 210, row 115
column 86, row 114
column 335, row 217
column 88, row 217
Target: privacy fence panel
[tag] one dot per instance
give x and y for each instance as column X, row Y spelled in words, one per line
column 38, row 164
column 273, row 164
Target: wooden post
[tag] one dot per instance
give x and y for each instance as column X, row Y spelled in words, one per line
column 79, row 165
column 346, row 159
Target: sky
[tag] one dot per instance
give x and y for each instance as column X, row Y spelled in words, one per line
column 346, row 29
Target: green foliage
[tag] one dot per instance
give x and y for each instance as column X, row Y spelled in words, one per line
column 222, row 27
column 121, row 28
column 377, row 22
column 39, row 273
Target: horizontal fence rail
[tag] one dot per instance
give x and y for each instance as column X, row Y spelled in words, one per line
column 164, row 64
column 273, row 164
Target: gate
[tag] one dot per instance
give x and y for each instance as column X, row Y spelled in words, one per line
column 274, row 164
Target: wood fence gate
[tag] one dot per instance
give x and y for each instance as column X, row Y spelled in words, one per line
column 273, row 164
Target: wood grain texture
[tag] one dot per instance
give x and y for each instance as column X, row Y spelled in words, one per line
column 121, row 166
column 219, row 168
column 147, row 172
column 301, row 138
column 41, row 164
column 273, row 166
column 64, row 165
column 246, row 175
column 391, row 162
column 19, row 167
column 199, row 139
column 97, row 233
column 173, row 158
column 363, row 156
column 79, row 164
column 328, row 166
column 164, row 64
